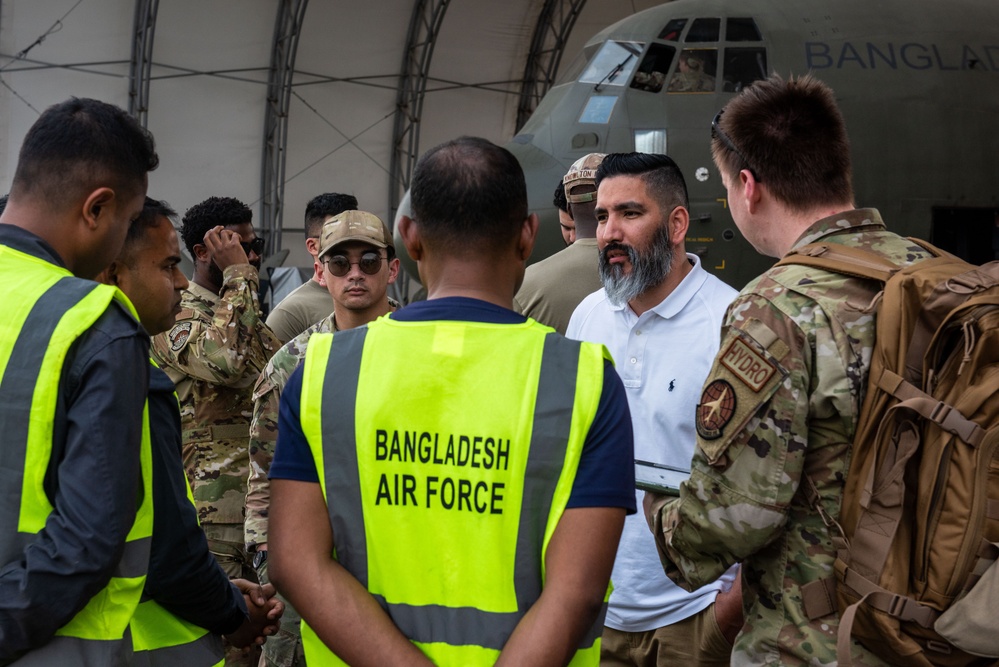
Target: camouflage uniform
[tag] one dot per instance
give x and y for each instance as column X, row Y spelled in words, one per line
column 214, row 354
column 782, row 400
column 285, row 648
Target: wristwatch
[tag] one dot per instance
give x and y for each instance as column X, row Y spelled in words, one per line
column 259, row 558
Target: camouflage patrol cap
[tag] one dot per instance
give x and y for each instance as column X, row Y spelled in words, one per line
column 354, row 226
column 582, row 172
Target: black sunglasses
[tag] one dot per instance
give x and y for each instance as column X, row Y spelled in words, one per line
column 716, row 132
column 370, row 263
column 256, row 245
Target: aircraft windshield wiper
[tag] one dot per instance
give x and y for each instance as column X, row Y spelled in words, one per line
column 611, row 74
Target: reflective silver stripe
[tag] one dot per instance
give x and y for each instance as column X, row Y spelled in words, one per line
column 205, row 651
column 340, row 451
column 464, row 626
column 135, row 559
column 16, row 391
column 457, row 626
column 549, row 440
column 65, row 651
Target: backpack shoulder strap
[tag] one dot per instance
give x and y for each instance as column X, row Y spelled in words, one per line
column 842, row 259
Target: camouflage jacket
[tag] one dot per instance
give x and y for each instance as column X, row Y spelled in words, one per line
column 781, row 401
column 263, row 427
column 214, row 354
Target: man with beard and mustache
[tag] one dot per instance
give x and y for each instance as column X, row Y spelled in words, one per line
column 214, row 354
column 660, row 315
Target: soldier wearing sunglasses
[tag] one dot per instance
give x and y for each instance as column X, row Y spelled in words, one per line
column 214, row 354
column 356, row 263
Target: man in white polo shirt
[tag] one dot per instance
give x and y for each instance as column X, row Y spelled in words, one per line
column 660, row 315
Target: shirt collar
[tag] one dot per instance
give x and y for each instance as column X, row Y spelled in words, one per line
column 859, row 219
column 202, row 293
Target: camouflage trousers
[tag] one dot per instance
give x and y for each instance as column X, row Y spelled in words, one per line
column 285, row 648
column 225, row 541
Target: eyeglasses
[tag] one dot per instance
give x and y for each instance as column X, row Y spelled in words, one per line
column 256, row 245
column 716, row 132
column 370, row 263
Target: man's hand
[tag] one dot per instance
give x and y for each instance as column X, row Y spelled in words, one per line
column 728, row 609
column 265, row 614
column 224, row 247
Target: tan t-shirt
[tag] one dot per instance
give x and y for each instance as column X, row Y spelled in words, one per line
column 299, row 310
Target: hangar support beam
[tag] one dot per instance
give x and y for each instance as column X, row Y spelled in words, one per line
column 287, row 30
column 140, row 67
column 551, row 33
column 424, row 25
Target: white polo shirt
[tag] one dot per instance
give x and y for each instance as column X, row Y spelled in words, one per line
column 663, row 357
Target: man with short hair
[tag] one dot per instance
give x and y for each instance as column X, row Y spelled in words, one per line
column 659, row 313
column 310, row 302
column 214, row 354
column 454, row 476
column 75, row 509
column 809, row 345
column 554, row 286
column 185, row 610
column 356, row 264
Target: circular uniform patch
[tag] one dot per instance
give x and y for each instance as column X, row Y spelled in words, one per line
column 716, row 409
column 179, row 335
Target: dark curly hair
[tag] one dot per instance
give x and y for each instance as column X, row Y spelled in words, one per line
column 214, row 211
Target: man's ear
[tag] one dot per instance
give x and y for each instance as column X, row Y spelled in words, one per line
column 201, row 253
column 312, row 245
column 751, row 190
column 320, row 276
column 528, row 234
column 97, row 203
column 110, row 275
column 410, row 234
column 394, row 267
column 679, row 223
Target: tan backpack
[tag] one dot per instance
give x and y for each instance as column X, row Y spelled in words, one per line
column 919, row 520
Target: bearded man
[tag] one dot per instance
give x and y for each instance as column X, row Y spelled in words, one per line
column 659, row 313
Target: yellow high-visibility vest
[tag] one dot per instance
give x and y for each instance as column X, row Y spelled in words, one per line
column 162, row 639
column 447, row 452
column 46, row 309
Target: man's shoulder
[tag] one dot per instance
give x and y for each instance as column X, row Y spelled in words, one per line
column 194, row 306
column 593, row 311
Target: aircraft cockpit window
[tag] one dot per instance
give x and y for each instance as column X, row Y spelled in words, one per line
column 742, row 66
column 613, row 64
column 651, row 74
column 671, row 32
column 742, row 30
column 695, row 71
column 704, row 30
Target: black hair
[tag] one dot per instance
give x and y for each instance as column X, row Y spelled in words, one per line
column 469, row 195
column 214, row 211
column 323, row 206
column 153, row 212
column 661, row 175
column 560, row 201
column 82, row 144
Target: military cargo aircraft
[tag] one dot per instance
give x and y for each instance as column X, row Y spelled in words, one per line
column 917, row 81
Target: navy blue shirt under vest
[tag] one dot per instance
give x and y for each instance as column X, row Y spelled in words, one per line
column 606, row 473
